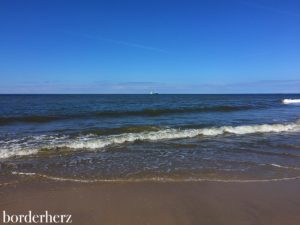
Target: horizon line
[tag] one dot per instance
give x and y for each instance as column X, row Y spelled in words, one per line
column 256, row 93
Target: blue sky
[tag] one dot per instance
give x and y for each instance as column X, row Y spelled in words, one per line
column 209, row 46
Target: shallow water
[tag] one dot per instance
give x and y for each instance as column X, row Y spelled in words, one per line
column 129, row 137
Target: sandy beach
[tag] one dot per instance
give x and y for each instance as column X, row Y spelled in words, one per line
column 149, row 203
column 150, row 112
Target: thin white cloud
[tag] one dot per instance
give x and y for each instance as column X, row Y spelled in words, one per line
column 134, row 45
column 269, row 8
column 120, row 42
column 264, row 86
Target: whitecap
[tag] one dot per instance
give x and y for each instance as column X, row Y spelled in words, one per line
column 95, row 142
column 291, row 101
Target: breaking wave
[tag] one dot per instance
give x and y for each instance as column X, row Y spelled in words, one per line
column 95, row 143
column 35, row 144
column 291, row 101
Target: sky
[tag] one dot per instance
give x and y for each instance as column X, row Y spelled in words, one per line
column 204, row 46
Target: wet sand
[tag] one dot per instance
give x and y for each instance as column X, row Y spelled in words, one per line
column 149, row 203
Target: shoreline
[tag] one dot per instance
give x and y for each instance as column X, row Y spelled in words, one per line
column 209, row 203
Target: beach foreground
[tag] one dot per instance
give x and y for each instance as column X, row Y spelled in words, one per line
column 209, row 203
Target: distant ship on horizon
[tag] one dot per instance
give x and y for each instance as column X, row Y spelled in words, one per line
column 153, row 93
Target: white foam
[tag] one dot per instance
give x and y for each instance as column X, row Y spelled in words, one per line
column 285, row 167
column 96, row 143
column 23, row 173
column 7, row 153
column 28, row 145
column 291, row 101
column 32, row 146
column 155, row 179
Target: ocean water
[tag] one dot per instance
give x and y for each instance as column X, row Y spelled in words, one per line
column 150, row 137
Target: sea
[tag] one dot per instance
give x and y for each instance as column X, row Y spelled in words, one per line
column 161, row 137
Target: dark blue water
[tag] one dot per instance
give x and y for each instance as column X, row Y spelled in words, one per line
column 150, row 136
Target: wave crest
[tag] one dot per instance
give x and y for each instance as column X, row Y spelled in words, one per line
column 291, row 101
column 95, row 143
column 33, row 145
